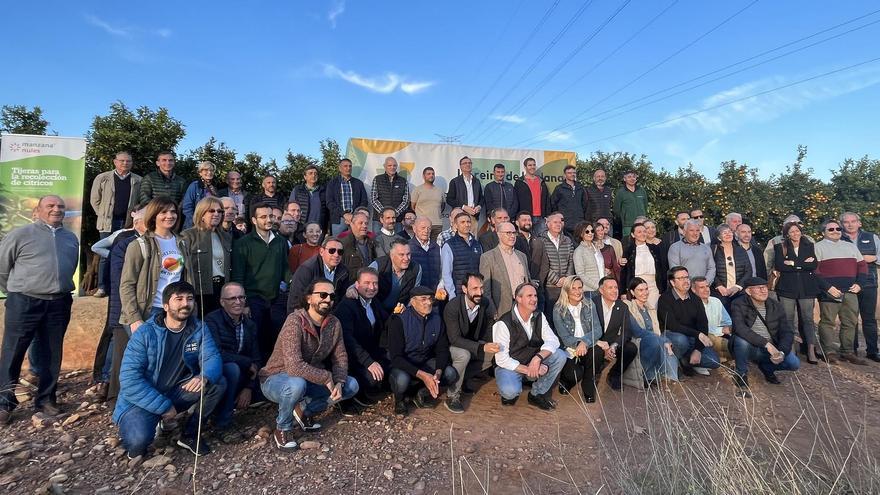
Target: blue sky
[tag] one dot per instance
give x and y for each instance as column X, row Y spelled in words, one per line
column 267, row 76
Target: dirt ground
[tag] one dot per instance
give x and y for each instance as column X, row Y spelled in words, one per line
column 489, row 449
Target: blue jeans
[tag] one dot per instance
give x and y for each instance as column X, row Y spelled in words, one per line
column 287, row 391
column 653, row 357
column 137, row 426
column 28, row 318
column 400, row 381
column 683, row 346
column 510, row 382
column 744, row 352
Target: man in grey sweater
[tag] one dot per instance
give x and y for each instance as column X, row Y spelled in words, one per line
column 37, row 263
column 691, row 254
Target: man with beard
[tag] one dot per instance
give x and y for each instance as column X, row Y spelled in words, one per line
column 499, row 193
column 598, row 198
column 171, row 364
column 309, row 362
column 269, row 195
column 427, row 201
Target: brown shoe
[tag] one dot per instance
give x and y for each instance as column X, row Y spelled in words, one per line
column 49, row 409
column 829, row 357
column 5, row 417
column 284, row 440
column 852, row 358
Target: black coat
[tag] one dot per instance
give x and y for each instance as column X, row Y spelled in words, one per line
column 618, row 330
column 796, row 281
column 760, row 264
column 223, row 329
column 627, row 272
column 363, row 342
column 458, row 325
column 359, row 197
column 457, row 194
column 744, row 313
column 742, row 265
column 524, row 197
column 310, row 270
column 302, row 197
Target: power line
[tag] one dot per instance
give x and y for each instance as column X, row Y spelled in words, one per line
column 535, row 63
column 591, row 118
column 737, row 100
column 556, row 70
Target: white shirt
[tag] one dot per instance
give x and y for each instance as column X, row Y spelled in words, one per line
column 171, row 268
column 644, row 261
column 471, row 311
column 578, row 325
column 600, row 262
column 469, row 187
column 269, row 239
column 606, row 313
column 556, row 242
column 501, row 336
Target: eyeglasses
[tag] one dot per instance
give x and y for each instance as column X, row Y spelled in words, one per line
column 234, row 298
column 325, row 295
column 512, row 232
column 590, row 231
column 697, row 217
column 834, row 229
column 214, row 210
column 335, row 251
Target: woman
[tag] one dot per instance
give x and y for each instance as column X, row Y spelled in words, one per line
column 651, row 233
column 646, row 262
column 797, row 286
column 209, row 254
column 152, row 261
column 577, row 324
column 301, row 252
column 732, row 266
column 198, row 189
column 588, row 258
column 612, row 261
column 655, row 350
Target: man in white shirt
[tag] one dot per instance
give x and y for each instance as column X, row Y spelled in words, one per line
column 528, row 349
column 718, row 317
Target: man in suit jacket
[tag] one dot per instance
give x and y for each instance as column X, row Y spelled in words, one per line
column 756, row 256
column 327, row 265
column 615, row 341
column 344, row 194
column 468, row 318
column 503, row 269
column 465, row 191
column 358, row 249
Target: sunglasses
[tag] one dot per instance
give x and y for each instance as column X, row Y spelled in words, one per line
column 335, row 251
column 834, row 229
column 697, row 217
column 214, row 210
column 325, row 295
column 590, row 231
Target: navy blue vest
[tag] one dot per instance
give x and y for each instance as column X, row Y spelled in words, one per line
column 465, row 257
column 429, row 261
column 866, row 245
column 420, row 335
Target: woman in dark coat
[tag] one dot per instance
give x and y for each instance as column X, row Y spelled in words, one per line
column 732, row 267
column 797, row 286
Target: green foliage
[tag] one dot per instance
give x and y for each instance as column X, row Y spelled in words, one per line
column 17, row 119
column 253, row 170
column 854, row 186
column 219, row 154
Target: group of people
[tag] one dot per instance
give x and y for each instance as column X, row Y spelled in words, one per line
column 333, row 296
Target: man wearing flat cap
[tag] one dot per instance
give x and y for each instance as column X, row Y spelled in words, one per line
column 762, row 334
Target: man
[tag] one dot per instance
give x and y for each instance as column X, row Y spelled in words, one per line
column 37, row 263
column 556, row 262
column 598, row 198
column 570, row 199
column 235, row 336
column 311, row 198
column 630, row 201
column 162, row 181
column 259, row 264
column 460, row 255
column 733, row 220
column 532, row 195
column 707, row 234
column 359, row 250
column 717, row 318
column 406, row 227
column 683, row 319
column 449, row 233
column 427, row 201
column 386, row 235
column 327, row 265
column 268, row 195
column 465, row 191
column 171, row 365
column 489, row 239
column 692, row 254
column 292, row 227
column 113, row 194
column 762, row 334
column 616, row 337
column 389, row 190
column 309, row 362
column 677, row 233
column 524, row 235
column 756, row 259
column 842, row 272
column 398, row 276
column 867, row 243
column 236, row 193
column 230, row 211
column 418, row 349
column 503, row 269
column 528, row 350
column 499, row 193
column 425, row 253
column 363, row 322
column 344, row 194
column 468, row 320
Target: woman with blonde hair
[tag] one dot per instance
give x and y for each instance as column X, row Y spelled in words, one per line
column 579, row 330
column 209, row 250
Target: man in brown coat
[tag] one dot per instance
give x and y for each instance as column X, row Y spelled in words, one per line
column 310, row 337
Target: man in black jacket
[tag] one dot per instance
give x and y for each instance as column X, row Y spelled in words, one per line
column 598, row 198
column 465, row 191
column 363, row 320
column 328, row 265
column 359, row 249
column 616, row 339
column 389, row 190
column 570, row 199
column 312, row 199
column 398, row 276
column 499, row 193
column 236, row 338
column 683, row 320
column 761, row 333
column 468, row 319
column 344, row 194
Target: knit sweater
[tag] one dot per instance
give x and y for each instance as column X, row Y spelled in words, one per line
column 156, row 184
column 301, row 351
column 39, row 262
column 258, row 266
column 840, row 265
column 697, row 258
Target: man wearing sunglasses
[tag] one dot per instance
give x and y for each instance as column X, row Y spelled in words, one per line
column 842, row 273
column 327, row 265
column 707, row 233
column 309, row 361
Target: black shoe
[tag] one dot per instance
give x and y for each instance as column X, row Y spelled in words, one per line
column 454, row 406
column 509, row 402
column 614, row 382
column 189, row 443
column 5, row 417
column 687, row 370
column 589, row 399
column 874, row 357
column 400, row 408
column 562, row 390
column 548, row 396
column 742, row 386
column 771, row 378
column 49, row 409
column 350, row 408
column 423, row 399
column 364, row 400
column 540, row 402
column 307, row 424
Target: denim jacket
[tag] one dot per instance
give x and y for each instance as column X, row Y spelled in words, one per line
column 564, row 322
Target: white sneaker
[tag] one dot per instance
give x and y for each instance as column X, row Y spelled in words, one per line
column 701, row 370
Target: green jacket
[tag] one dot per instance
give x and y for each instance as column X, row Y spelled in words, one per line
column 258, row 266
column 154, row 184
column 630, row 204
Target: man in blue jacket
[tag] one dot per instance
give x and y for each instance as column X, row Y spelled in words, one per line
column 170, row 364
column 344, row 194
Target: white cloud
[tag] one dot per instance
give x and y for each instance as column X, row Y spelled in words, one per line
column 555, row 136
column 384, row 84
column 107, row 27
column 335, row 11
column 512, row 119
